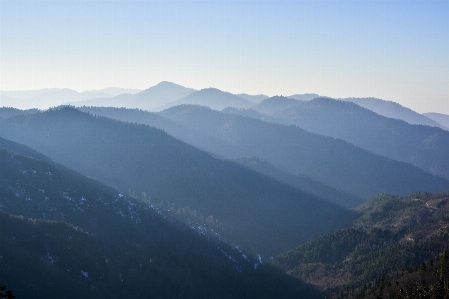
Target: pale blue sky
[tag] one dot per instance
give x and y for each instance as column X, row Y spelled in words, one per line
column 394, row 50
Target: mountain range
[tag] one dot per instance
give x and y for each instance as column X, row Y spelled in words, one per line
column 441, row 118
column 394, row 110
column 220, row 195
column 165, row 94
column 76, row 237
column 392, row 236
column 51, row 97
column 331, row 161
column 260, row 214
column 148, row 99
column 423, row 146
column 211, row 97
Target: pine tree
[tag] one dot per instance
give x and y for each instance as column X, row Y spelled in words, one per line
column 6, row 293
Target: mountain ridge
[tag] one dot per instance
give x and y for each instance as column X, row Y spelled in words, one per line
column 420, row 145
column 172, row 171
column 79, row 238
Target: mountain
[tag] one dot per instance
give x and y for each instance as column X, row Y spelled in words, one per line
column 392, row 235
column 430, row 280
column 210, row 97
column 22, row 150
column 423, row 146
column 195, row 137
column 6, row 101
column 246, row 208
column 276, row 104
column 24, row 94
column 385, row 108
column 393, row 110
column 92, row 94
column 159, row 95
column 301, row 182
column 440, row 118
column 335, row 163
column 331, row 161
column 304, row 97
column 42, row 99
column 112, row 91
column 51, row 97
column 148, row 99
column 9, row 111
column 255, row 99
column 246, row 112
column 77, row 238
column 123, row 100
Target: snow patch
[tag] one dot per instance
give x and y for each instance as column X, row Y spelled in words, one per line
column 85, row 274
column 237, row 247
column 50, row 259
column 227, row 255
column 202, row 230
column 65, row 195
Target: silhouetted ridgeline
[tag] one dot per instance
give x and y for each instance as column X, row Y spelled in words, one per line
column 148, row 99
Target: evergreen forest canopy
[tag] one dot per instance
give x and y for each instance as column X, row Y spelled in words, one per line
column 172, row 192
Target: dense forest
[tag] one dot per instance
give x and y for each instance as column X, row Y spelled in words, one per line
column 392, row 235
column 334, row 162
column 247, row 202
column 68, row 236
column 260, row 214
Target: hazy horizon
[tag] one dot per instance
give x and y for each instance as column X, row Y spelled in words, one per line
column 392, row 50
column 224, row 149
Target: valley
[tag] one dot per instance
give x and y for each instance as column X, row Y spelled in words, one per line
column 173, row 192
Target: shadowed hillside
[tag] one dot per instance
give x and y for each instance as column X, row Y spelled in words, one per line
column 393, row 235
column 252, row 210
column 210, row 97
column 423, row 146
column 93, row 242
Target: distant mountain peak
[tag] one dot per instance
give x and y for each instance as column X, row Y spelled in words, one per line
column 278, row 98
column 275, row 104
column 166, row 87
column 304, row 97
column 213, row 98
column 167, row 83
column 393, row 110
column 212, row 89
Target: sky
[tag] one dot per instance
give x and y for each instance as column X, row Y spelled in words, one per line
column 393, row 50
